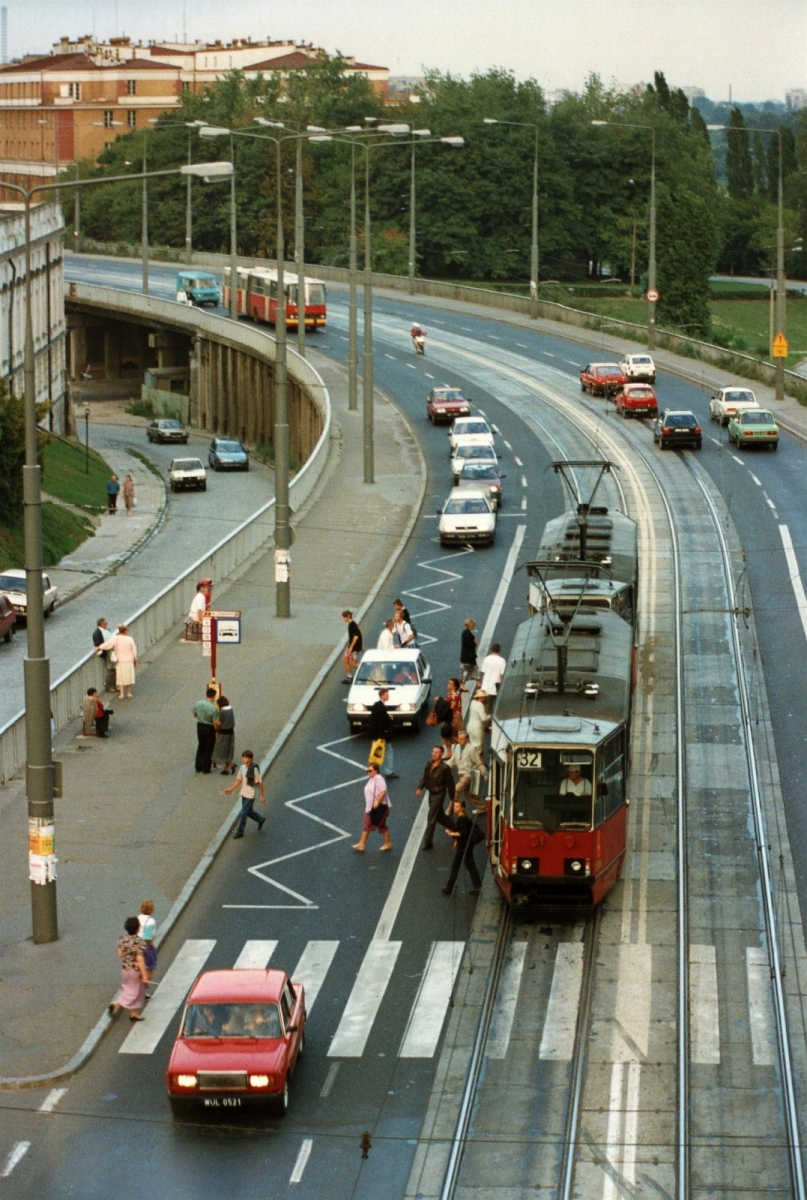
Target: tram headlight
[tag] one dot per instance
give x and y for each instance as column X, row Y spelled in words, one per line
column 577, row 868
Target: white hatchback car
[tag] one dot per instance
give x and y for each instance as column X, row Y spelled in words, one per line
column 13, row 582
column 470, row 431
column 467, row 516
column 187, row 473
column 464, row 454
column 638, row 368
column 408, row 676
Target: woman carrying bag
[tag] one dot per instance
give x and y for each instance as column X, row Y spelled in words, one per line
column 376, row 809
column 381, row 752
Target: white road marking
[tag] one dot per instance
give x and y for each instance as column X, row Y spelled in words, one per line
column 412, row 366
column 255, row 956
column 330, row 1079
column 389, row 913
column 521, row 345
column 758, row 482
column 612, row 1146
column 621, row 1144
column 507, row 444
column 314, row 964
column 428, row 1012
column 364, row 1000
column 501, row 592
column 571, row 362
column 504, row 1012
column 428, row 376
column 795, row 577
column 302, row 1159
column 547, row 354
column 739, row 460
column 496, row 430
column 465, row 329
column 634, row 984
column 518, row 461
column 703, row 1010
column 523, row 480
column 392, row 356
column 144, row 1037
column 557, row 1041
column 493, row 337
column 524, row 503
column 19, row 1151
column 716, row 441
column 52, row 1099
column 760, row 1017
column 481, row 411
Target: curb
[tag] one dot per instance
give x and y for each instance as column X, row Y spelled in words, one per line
column 94, row 1037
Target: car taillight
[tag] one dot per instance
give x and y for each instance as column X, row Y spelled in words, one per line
column 750, row 433
column 185, row 1081
column 664, row 429
column 697, row 429
column 261, row 1081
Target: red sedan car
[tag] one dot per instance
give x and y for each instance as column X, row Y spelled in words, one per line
column 636, row 400
column 602, row 379
column 241, row 1035
column 445, row 403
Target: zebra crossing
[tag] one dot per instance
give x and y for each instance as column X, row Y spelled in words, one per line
column 426, row 1018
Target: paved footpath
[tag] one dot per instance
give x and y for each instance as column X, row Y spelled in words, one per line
column 135, row 819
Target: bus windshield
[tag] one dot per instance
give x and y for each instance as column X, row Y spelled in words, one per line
column 316, row 294
column 552, row 789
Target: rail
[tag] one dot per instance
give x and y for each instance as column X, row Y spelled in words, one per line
column 169, row 607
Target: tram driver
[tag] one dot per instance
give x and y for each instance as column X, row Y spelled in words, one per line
column 575, row 784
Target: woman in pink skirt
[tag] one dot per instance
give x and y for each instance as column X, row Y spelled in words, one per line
column 125, row 652
column 134, row 976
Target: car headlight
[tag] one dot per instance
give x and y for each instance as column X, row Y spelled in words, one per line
column 406, row 708
column 357, row 708
column 186, row 1081
column 261, row 1081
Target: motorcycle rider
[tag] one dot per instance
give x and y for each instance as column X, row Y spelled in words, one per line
column 418, row 337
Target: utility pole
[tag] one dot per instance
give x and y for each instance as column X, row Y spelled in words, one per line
column 780, row 281
column 353, row 322
column 145, row 219
column 189, row 210
column 412, row 246
column 281, row 434
column 367, row 374
column 299, row 250
column 534, row 246
column 233, row 242
column 652, row 294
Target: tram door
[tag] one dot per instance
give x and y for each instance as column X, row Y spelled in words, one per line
column 497, row 776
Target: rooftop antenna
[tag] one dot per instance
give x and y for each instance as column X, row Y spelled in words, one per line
column 4, row 34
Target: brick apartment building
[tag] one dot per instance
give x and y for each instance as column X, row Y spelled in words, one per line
column 70, row 104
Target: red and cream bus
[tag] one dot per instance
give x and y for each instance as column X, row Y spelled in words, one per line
column 257, row 297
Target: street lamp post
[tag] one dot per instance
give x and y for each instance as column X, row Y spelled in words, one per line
column 299, row 249
column 39, row 770
column 534, row 241
column 652, row 293
column 86, row 439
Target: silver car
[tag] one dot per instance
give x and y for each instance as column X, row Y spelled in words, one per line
column 482, row 475
column 464, row 454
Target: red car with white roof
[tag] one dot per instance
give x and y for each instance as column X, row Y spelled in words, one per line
column 636, row 400
column 602, row 379
column 242, row 1033
column 445, row 403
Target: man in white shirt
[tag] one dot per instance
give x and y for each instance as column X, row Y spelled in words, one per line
column 406, row 634
column 466, row 759
column 493, row 667
column 385, row 639
column 198, row 605
column 575, row 784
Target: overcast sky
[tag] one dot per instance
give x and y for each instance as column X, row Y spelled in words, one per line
column 759, row 47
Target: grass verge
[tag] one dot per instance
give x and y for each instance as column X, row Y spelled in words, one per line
column 62, row 531
column 65, row 474
column 155, row 470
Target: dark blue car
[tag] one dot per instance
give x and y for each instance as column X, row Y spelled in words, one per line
column 227, row 455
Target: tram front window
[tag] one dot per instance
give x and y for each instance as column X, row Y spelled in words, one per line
column 552, row 789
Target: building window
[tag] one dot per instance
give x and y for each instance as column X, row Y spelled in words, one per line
column 109, row 118
column 131, row 87
column 74, row 90
column 131, row 118
column 185, row 85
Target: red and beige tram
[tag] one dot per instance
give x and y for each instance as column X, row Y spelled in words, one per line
column 557, row 805
column 257, row 297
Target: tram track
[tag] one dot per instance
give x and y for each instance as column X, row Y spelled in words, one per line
column 619, row 446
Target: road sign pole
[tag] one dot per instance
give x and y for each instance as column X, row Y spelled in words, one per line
column 213, row 639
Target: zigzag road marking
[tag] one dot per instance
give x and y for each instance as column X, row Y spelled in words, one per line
column 447, row 577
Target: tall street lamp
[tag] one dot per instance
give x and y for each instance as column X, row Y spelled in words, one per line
column 39, row 770
column 216, row 131
column 781, row 291
column 190, row 126
column 424, row 136
column 652, row 293
column 534, row 244
column 281, row 429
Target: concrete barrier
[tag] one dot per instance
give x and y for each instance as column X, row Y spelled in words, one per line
column 170, row 606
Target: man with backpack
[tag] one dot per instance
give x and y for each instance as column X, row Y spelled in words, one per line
column 248, row 778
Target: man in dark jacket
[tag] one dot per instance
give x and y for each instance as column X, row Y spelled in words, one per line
column 436, row 780
column 461, row 830
column 381, row 727
column 468, row 652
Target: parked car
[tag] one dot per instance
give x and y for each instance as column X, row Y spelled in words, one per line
column 468, row 515
column 408, row 676
column 465, row 454
column 636, row 400
column 729, row 401
column 445, row 403
column 638, row 368
column 241, row 1035
column 7, row 619
column 13, row 584
column 185, row 473
column 602, row 379
column 200, row 287
column 483, row 477
column 165, row 429
column 754, row 427
column 226, row 454
column 677, row 427
column 470, row 431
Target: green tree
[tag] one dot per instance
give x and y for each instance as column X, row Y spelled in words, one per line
column 687, row 249
column 12, row 453
column 739, row 167
column 760, row 164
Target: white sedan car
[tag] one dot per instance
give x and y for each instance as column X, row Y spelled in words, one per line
column 187, row 473
column 13, row 583
column 638, row 368
column 470, row 431
column 729, row 401
column 408, row 676
column 464, row 454
column 467, row 516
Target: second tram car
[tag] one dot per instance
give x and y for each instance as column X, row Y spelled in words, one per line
column 557, row 806
column 257, row 297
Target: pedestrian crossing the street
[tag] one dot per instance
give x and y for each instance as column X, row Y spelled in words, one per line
column 426, row 1015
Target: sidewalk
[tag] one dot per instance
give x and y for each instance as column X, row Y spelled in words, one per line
column 135, row 819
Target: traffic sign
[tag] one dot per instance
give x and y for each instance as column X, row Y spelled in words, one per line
column 780, row 346
column 652, row 296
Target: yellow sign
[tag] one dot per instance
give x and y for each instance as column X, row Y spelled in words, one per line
column 780, row 346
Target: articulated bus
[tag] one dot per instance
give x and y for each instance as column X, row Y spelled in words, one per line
column 257, row 297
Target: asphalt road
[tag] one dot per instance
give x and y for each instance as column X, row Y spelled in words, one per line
column 112, row 1125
